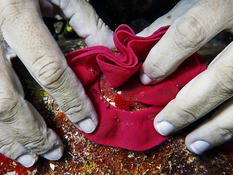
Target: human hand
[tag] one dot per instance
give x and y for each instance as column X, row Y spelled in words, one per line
column 23, row 132
column 193, row 23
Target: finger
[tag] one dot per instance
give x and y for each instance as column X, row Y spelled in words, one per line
column 167, row 19
column 25, row 32
column 201, row 95
column 25, row 125
column 187, row 34
column 86, row 22
column 12, row 149
column 214, row 132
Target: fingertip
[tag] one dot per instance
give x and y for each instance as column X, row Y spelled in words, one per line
column 57, row 149
column 87, row 125
column 86, row 118
column 164, row 128
column 54, row 154
column 145, row 79
column 27, row 160
column 162, row 124
column 197, row 146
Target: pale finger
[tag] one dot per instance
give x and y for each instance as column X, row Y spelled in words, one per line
column 86, row 22
column 25, row 127
column 199, row 96
column 167, row 19
column 26, row 33
column 12, row 149
column 214, row 132
column 185, row 36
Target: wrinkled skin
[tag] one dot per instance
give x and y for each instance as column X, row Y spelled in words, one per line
column 23, row 132
column 193, row 23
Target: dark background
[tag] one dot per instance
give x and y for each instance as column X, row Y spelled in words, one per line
column 136, row 13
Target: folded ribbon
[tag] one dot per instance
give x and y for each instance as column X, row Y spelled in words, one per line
column 125, row 107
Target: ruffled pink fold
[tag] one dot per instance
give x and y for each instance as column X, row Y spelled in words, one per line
column 132, row 130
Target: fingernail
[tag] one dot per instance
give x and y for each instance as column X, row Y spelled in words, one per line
column 54, row 154
column 27, row 160
column 164, row 128
column 86, row 125
column 145, row 79
column 199, row 147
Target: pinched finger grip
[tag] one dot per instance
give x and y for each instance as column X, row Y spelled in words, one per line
column 128, row 123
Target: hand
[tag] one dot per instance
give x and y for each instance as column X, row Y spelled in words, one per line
column 193, row 23
column 23, row 132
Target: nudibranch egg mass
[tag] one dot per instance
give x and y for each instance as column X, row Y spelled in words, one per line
column 126, row 108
